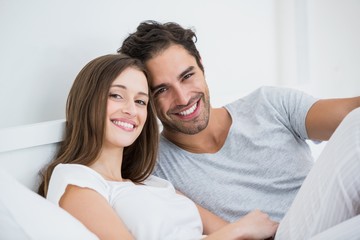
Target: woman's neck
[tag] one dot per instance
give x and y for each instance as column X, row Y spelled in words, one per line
column 108, row 164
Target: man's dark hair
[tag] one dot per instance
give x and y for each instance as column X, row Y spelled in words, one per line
column 152, row 37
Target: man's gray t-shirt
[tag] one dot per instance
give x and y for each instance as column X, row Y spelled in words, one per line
column 262, row 164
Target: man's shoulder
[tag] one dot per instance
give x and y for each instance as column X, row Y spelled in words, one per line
column 262, row 91
column 265, row 95
column 252, row 99
column 271, row 91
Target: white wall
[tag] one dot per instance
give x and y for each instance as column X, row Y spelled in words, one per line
column 312, row 45
column 318, row 46
column 334, row 49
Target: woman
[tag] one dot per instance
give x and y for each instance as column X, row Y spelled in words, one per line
column 101, row 174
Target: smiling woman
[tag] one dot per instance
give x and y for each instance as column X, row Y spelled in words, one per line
column 109, row 121
column 126, row 112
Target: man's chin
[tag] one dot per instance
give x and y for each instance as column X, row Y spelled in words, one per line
column 184, row 129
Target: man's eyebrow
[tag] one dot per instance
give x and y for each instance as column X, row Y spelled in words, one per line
column 124, row 87
column 158, row 86
column 186, row 71
column 180, row 76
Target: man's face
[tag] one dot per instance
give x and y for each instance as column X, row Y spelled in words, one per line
column 180, row 91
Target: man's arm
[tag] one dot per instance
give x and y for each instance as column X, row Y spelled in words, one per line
column 325, row 116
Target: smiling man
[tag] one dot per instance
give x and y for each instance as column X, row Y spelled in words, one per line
column 249, row 154
column 181, row 93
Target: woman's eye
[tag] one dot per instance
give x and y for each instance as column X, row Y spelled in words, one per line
column 141, row 102
column 115, row 96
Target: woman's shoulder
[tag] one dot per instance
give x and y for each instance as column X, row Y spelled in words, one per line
column 72, row 168
column 77, row 175
column 75, row 171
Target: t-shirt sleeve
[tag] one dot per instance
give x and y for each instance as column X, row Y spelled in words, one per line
column 268, row 105
column 293, row 105
column 78, row 175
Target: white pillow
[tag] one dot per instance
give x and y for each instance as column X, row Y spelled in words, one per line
column 26, row 215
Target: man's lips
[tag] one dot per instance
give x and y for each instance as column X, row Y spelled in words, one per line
column 189, row 112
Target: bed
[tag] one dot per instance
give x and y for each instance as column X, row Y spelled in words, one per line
column 24, row 150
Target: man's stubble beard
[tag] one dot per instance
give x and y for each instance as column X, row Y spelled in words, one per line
column 190, row 127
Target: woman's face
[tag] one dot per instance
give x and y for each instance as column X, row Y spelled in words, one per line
column 126, row 108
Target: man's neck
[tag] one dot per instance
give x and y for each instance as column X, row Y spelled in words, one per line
column 209, row 140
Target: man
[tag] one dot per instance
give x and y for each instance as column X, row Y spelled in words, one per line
column 249, row 154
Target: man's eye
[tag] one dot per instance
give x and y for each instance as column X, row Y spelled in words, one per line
column 187, row 76
column 159, row 91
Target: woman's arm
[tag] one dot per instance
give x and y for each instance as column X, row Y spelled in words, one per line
column 255, row 225
column 92, row 209
column 211, row 222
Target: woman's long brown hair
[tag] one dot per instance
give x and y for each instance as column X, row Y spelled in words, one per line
column 85, row 122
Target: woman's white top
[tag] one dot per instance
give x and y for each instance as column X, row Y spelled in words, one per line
column 150, row 211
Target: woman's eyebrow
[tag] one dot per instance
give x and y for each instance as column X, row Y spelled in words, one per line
column 124, row 87
column 119, row 86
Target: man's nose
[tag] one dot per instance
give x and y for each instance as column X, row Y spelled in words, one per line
column 180, row 96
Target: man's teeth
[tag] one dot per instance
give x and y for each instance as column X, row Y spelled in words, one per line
column 124, row 124
column 189, row 111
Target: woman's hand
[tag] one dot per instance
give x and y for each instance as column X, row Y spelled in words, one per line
column 255, row 225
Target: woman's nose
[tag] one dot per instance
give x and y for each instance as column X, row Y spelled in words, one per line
column 129, row 108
